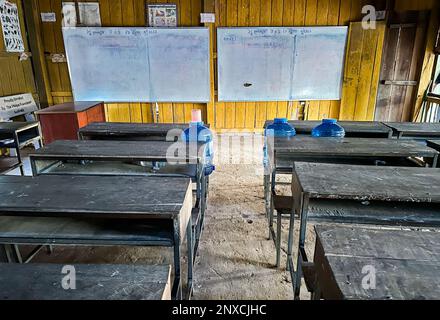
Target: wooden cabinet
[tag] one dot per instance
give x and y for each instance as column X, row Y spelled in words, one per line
column 62, row 121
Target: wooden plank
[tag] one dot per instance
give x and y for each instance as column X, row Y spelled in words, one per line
column 93, row 282
column 141, row 196
column 369, row 47
column 352, row 71
column 368, row 183
column 350, row 147
column 415, row 129
column 403, row 260
column 113, row 130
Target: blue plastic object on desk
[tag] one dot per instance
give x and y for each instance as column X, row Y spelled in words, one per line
column 198, row 132
column 279, row 128
column 328, row 128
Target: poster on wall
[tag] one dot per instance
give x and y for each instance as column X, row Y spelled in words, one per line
column 89, row 15
column 11, row 27
column 162, row 15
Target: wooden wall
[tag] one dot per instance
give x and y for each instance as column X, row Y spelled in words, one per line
column 15, row 76
column 247, row 116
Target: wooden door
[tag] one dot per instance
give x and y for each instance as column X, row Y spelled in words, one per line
column 401, row 65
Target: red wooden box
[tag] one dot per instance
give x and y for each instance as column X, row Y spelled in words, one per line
column 62, row 121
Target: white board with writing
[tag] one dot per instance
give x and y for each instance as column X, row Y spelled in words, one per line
column 138, row 64
column 280, row 63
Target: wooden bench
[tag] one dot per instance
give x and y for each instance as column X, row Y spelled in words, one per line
column 17, row 135
column 92, row 282
column 283, row 153
column 392, row 196
column 102, row 158
column 415, row 130
column 405, row 263
column 130, row 131
column 109, row 210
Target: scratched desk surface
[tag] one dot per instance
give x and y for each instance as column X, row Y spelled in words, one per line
column 333, row 181
column 122, row 128
column 106, row 196
column 406, row 263
column 303, row 145
column 93, row 282
column 108, row 149
column 352, row 128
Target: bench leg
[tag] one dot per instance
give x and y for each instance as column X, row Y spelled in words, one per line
column 271, row 211
column 278, row 242
column 189, row 240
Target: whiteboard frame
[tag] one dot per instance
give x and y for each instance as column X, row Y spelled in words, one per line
column 280, row 27
column 208, row 80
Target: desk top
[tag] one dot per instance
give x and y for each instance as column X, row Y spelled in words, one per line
column 69, row 107
column 130, row 129
column 11, row 127
column 415, row 128
column 362, row 147
column 104, row 196
column 117, row 150
column 406, row 262
column 333, row 181
column 356, row 128
column 93, row 281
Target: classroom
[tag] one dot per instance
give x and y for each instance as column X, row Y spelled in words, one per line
column 219, row 150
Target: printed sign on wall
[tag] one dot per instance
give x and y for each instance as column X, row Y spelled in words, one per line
column 11, row 27
column 13, row 106
column 162, row 15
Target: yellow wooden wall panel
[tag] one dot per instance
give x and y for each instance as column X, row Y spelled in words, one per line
column 361, row 76
column 15, row 76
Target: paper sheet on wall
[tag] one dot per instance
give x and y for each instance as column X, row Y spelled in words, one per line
column 69, row 14
column 11, row 27
column 89, row 14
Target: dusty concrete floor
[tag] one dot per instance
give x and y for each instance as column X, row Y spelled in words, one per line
column 236, row 259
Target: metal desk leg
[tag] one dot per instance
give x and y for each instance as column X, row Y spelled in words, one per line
column 289, row 264
column 278, row 239
column 301, row 251
column 189, row 239
column 177, row 285
column 271, row 207
column 266, row 194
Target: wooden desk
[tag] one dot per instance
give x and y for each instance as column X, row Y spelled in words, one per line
column 17, row 135
column 415, row 130
column 361, row 194
column 358, row 129
column 62, row 121
column 284, row 152
column 131, row 131
column 93, row 282
column 109, row 210
column 94, row 157
column 406, row 263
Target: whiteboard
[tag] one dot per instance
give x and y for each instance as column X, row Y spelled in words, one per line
column 138, row 64
column 280, row 63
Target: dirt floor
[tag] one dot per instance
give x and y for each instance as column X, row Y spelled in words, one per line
column 236, row 259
